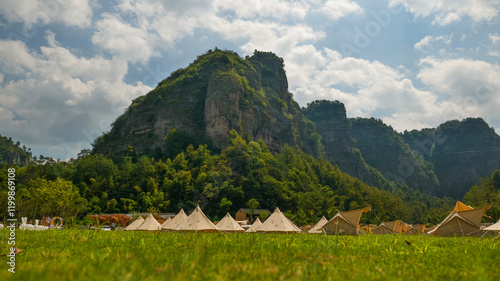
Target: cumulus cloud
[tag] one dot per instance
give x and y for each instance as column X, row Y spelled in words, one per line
column 277, row 9
column 366, row 87
column 336, row 9
column 124, row 40
column 448, row 11
column 467, row 87
column 427, row 41
column 61, row 101
column 70, row 12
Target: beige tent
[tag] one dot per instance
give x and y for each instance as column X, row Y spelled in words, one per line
column 462, row 223
column 345, row 222
column 317, row 228
column 173, row 223
column 415, row 229
column 150, row 224
column 135, row 224
column 228, row 224
column 382, row 229
column 254, row 226
column 390, row 227
column 197, row 221
column 277, row 222
column 494, row 227
column 166, row 222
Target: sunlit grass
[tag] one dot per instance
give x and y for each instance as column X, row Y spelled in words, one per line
column 91, row 255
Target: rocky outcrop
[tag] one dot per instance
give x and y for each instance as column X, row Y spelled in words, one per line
column 222, row 112
column 219, row 92
column 13, row 154
column 461, row 152
column 385, row 150
column 335, row 129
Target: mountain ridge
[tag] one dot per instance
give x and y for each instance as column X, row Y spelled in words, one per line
column 220, row 92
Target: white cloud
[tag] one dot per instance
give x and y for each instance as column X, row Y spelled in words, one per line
column 467, row 87
column 336, row 9
column 494, row 38
column 124, row 40
column 448, row 11
column 446, row 18
column 427, row 41
column 143, row 29
column 60, row 97
column 70, row 12
column 277, row 9
column 365, row 87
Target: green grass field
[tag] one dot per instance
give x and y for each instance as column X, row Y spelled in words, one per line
column 91, row 255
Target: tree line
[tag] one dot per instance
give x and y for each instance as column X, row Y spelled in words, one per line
column 244, row 174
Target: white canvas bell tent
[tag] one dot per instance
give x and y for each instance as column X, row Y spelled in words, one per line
column 166, row 222
column 150, row 224
column 254, row 226
column 318, row 227
column 173, row 223
column 345, row 222
column 135, row 224
column 494, row 227
column 197, row 221
column 278, row 223
column 228, row 224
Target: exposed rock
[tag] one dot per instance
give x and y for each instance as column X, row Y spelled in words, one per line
column 217, row 93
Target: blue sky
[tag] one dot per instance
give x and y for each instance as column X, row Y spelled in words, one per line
column 69, row 68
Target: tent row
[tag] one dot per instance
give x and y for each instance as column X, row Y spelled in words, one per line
column 462, row 221
column 198, row 221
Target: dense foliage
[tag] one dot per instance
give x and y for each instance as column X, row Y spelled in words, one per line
column 11, row 153
column 487, row 194
column 243, row 174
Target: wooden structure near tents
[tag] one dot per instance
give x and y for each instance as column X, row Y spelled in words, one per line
column 111, row 218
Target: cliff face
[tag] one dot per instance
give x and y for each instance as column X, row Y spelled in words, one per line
column 217, row 93
column 462, row 152
column 13, row 154
column 220, row 92
column 335, row 129
column 385, row 150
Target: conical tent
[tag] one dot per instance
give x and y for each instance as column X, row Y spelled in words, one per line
column 345, row 222
column 278, row 223
column 254, row 226
column 494, row 227
column 317, row 228
column 228, row 224
column 135, row 224
column 173, row 223
column 150, row 224
column 394, row 226
column 463, row 223
column 415, row 229
column 459, row 207
column 166, row 222
column 197, row 221
column 382, row 229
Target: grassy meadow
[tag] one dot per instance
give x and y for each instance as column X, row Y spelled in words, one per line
column 96, row 255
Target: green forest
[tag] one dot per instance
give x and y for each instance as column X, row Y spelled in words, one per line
column 244, row 174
